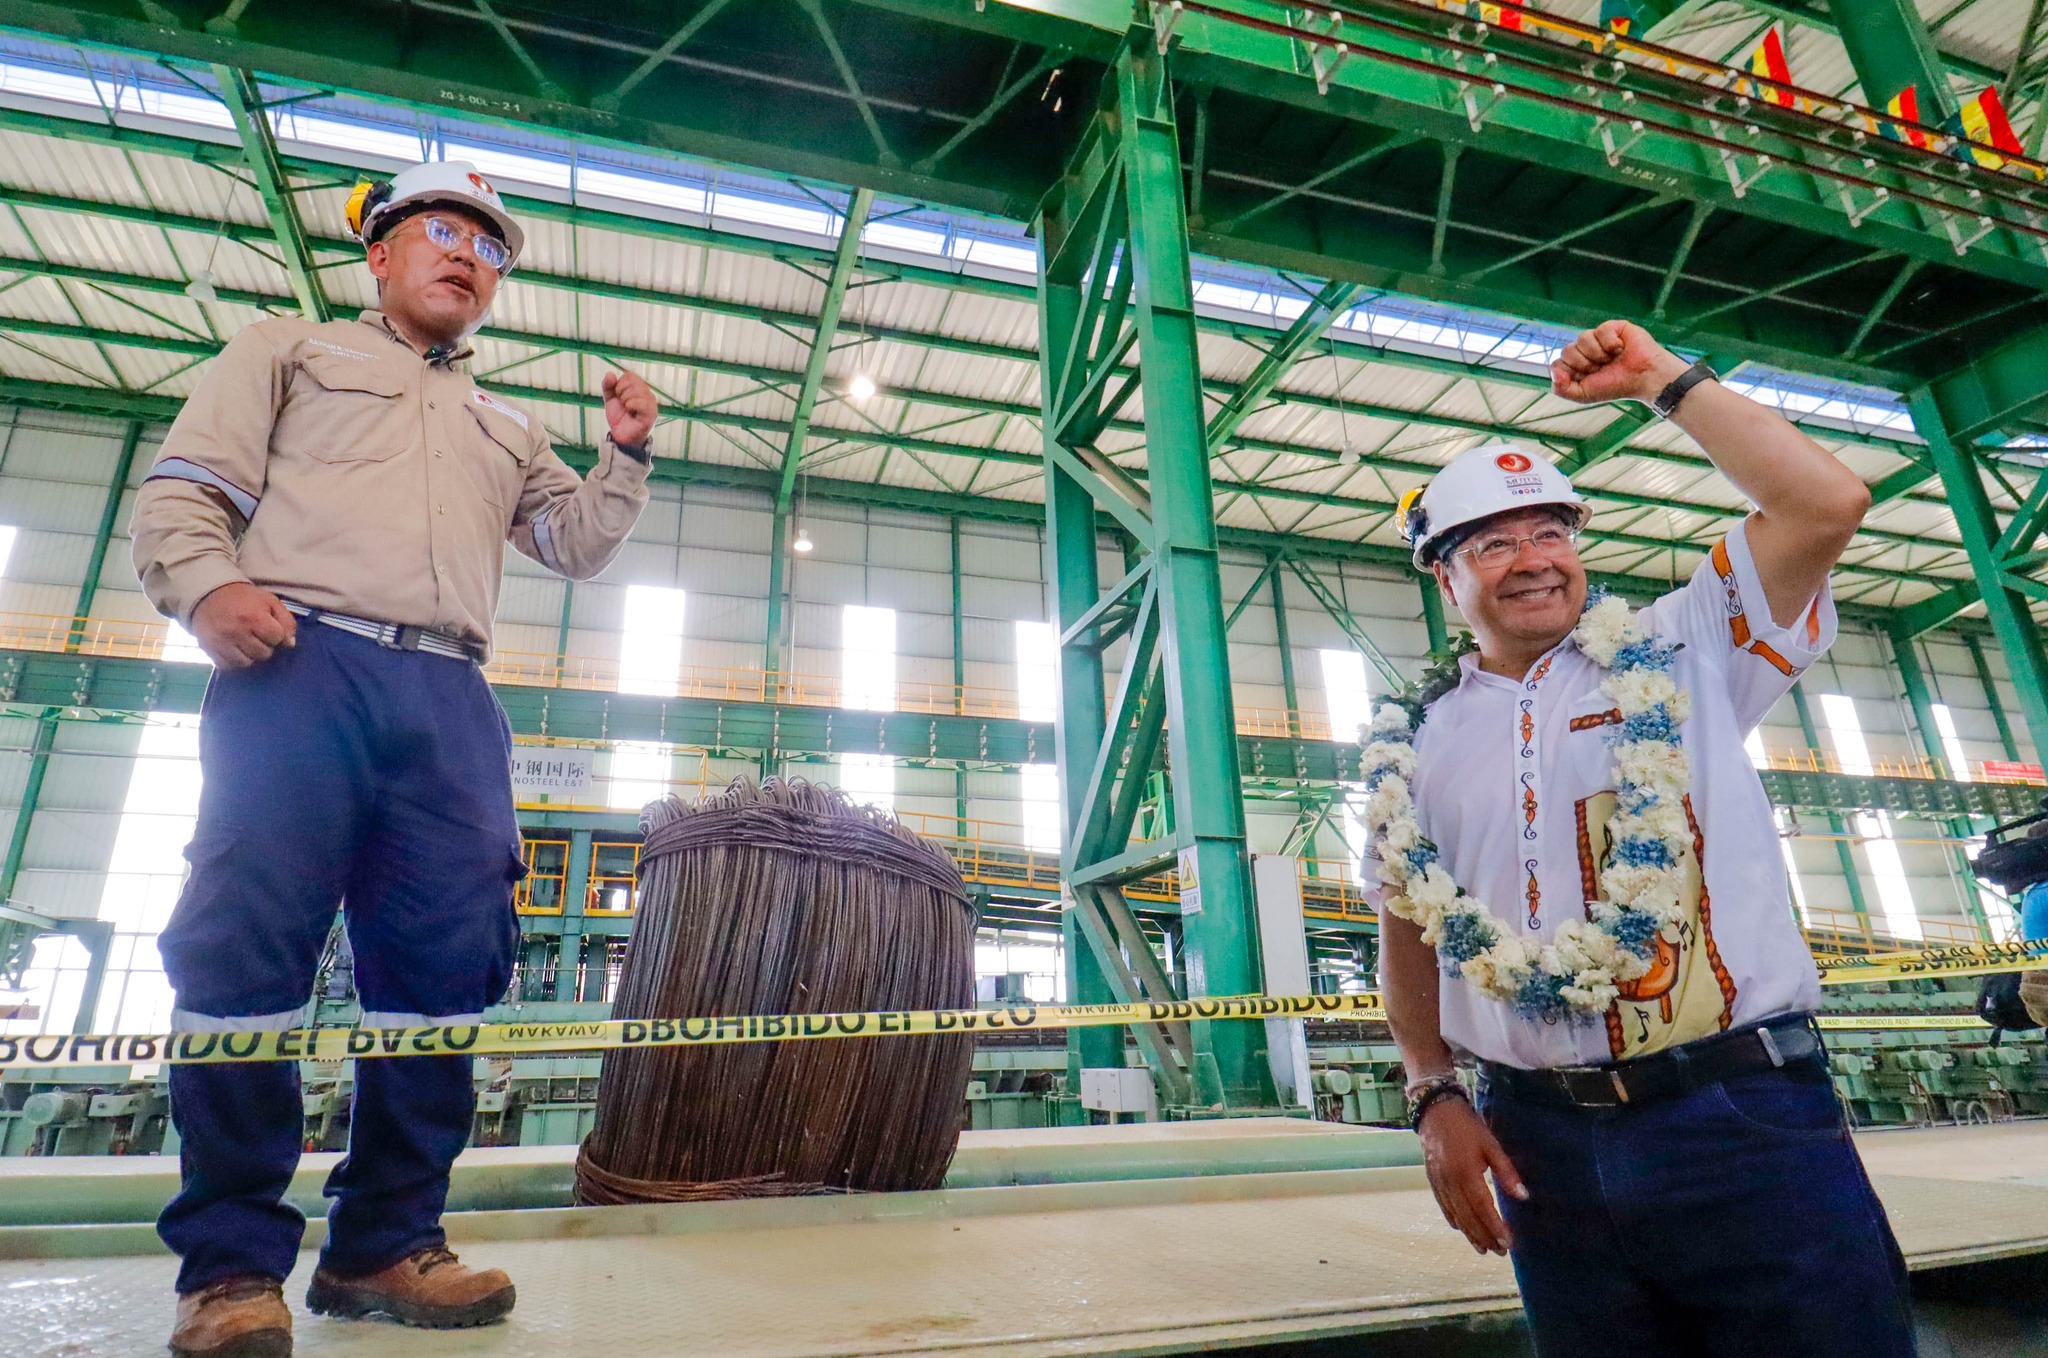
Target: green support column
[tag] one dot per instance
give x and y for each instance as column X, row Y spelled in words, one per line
column 1989, row 683
column 1889, row 46
column 1991, row 561
column 959, row 676
column 575, row 890
column 46, row 726
column 1433, row 616
column 562, row 630
column 1115, row 286
column 1845, row 855
column 1285, row 642
column 844, row 260
column 1913, row 676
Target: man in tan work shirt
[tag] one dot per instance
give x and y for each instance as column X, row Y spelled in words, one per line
column 352, row 475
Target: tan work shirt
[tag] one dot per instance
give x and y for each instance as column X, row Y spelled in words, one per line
column 364, row 479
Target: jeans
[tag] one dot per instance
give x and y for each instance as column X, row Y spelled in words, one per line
column 338, row 773
column 1734, row 1219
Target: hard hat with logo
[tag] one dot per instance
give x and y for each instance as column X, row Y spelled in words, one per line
column 375, row 208
column 1478, row 483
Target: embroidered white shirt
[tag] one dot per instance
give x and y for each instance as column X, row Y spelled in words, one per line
column 1515, row 783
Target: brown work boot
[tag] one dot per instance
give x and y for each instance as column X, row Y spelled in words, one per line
column 241, row 1317
column 429, row 1288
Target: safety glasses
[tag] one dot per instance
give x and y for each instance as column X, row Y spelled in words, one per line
column 488, row 249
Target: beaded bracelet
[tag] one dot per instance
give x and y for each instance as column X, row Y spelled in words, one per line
column 1426, row 1092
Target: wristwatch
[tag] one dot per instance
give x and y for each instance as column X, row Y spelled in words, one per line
column 1668, row 399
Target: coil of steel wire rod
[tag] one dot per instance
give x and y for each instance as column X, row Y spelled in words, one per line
column 784, row 899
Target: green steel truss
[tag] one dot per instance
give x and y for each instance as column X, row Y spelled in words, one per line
column 1115, row 283
column 1553, row 175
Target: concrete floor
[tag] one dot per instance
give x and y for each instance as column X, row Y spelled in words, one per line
column 1129, row 1268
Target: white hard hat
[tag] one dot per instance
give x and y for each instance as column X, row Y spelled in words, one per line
column 1479, row 483
column 374, row 206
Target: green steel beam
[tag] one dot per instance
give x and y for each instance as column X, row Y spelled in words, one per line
column 1400, row 76
column 1101, row 292
column 844, row 261
column 1329, row 303
column 959, row 668
column 1995, row 389
column 1283, row 639
column 252, row 123
column 1937, row 609
column 1987, row 682
column 1890, row 48
column 1920, row 698
column 31, row 795
column 873, row 436
column 1249, row 333
column 110, row 514
column 118, row 688
column 2005, row 605
column 1845, row 856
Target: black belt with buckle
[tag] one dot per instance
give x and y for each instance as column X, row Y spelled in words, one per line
column 1791, row 1041
column 394, row 636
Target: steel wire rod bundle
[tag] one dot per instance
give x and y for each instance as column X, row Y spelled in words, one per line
column 784, row 899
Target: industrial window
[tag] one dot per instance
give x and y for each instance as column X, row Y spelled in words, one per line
column 1894, row 893
column 651, row 647
column 640, row 774
column 181, row 647
column 870, row 779
column 1787, row 826
column 1041, row 785
column 1345, row 693
column 7, row 536
column 1951, row 743
column 1017, row 965
column 1038, row 656
column 867, row 676
column 145, row 872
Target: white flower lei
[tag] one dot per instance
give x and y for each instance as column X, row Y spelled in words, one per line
column 1578, row 974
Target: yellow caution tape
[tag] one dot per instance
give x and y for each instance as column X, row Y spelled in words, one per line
column 1890, row 1022
column 530, row 1039
column 1973, row 959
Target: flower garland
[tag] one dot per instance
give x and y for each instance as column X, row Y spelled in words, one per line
column 1577, row 974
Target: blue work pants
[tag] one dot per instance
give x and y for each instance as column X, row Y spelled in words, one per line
column 1731, row 1221
column 344, row 773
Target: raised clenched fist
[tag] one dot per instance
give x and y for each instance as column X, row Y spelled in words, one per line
column 629, row 408
column 1614, row 361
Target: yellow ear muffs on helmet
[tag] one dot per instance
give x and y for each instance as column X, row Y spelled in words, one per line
column 363, row 202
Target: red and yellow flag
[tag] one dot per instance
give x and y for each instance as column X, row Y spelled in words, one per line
column 1906, row 105
column 1507, row 15
column 1768, row 61
column 1984, row 123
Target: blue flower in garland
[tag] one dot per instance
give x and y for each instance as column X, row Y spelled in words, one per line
column 1463, row 937
column 1650, row 653
column 1640, row 851
column 1634, row 930
column 1655, row 724
column 1541, row 997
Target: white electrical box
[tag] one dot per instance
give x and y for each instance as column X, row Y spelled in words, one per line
column 1110, row 1090
column 1283, row 948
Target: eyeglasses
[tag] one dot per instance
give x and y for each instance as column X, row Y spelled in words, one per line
column 488, row 249
column 1494, row 550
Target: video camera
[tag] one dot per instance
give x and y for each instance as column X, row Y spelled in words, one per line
column 2015, row 855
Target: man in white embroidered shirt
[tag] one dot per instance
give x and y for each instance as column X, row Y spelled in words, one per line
column 1674, row 1172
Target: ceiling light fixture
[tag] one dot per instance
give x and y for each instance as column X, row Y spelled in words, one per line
column 204, row 287
column 803, row 541
column 861, row 387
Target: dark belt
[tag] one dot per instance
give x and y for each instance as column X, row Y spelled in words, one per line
column 394, row 636
column 1790, row 1041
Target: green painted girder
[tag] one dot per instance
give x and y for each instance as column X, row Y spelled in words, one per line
column 121, row 689
column 826, row 329
column 1995, row 388
column 863, row 116
column 338, row 248
column 1890, row 48
column 252, row 123
column 1324, row 309
column 791, row 432
column 107, row 402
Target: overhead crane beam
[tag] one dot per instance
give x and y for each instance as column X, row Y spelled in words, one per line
column 239, row 92
column 1403, row 69
column 1890, row 48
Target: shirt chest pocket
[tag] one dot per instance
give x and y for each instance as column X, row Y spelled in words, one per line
column 496, row 454
column 1593, row 721
column 344, row 410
